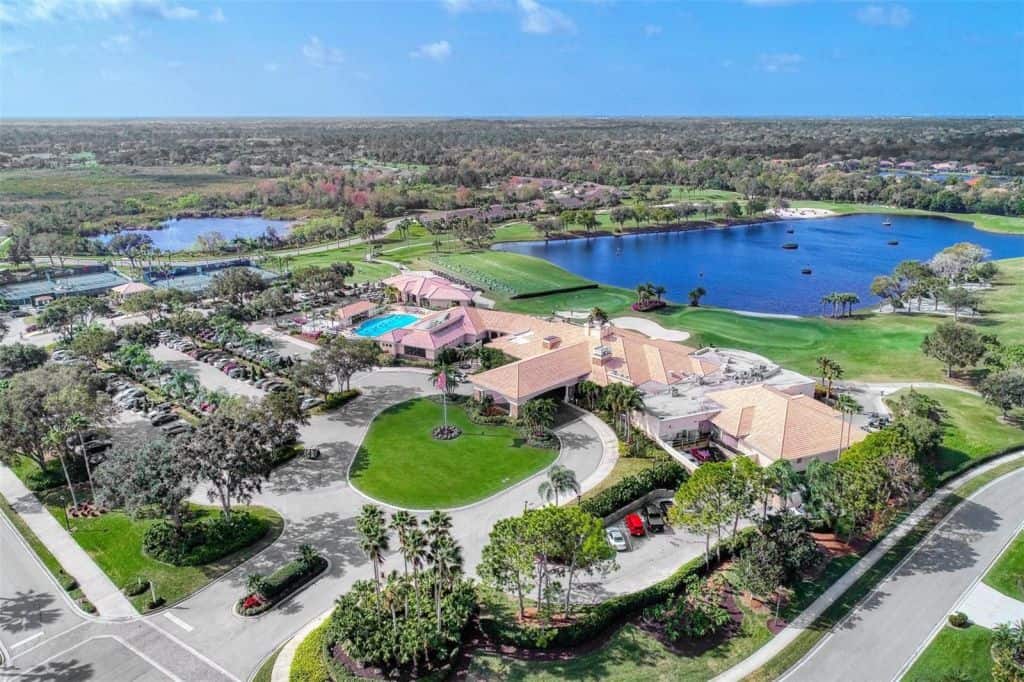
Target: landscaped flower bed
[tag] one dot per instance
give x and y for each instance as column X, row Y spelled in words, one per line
column 265, row 593
column 648, row 305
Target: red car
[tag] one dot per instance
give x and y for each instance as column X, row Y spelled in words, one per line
column 635, row 525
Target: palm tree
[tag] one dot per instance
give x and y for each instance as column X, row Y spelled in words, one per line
column 621, row 400
column 847, row 406
column 402, row 522
column 77, row 423
column 589, row 392
column 659, row 291
column 437, row 525
column 257, row 584
column 55, row 439
column 538, row 415
column 414, row 551
column 446, row 558
column 561, row 479
column 696, row 294
column 830, row 370
column 597, row 316
column 373, row 537
column 182, row 385
column 780, row 479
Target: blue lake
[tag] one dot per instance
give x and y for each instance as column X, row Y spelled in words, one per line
column 180, row 234
column 745, row 268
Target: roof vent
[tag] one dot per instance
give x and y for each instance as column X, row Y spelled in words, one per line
column 550, row 342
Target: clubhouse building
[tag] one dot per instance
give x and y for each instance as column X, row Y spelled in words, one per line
column 740, row 401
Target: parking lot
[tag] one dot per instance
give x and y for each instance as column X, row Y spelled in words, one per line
column 209, row 376
column 650, row 558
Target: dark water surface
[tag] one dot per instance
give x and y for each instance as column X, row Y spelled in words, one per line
column 745, row 268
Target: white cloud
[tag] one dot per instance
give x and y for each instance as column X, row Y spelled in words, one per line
column 121, row 42
column 271, row 67
column 438, row 51
column 652, row 30
column 536, row 18
column 217, row 16
column 76, row 10
column 779, row 62
column 893, row 16
column 321, row 55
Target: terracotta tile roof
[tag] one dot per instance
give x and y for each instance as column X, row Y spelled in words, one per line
column 430, row 286
column 530, row 377
column 354, row 309
column 779, row 425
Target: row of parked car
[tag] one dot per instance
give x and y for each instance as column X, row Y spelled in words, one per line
column 652, row 518
column 128, row 396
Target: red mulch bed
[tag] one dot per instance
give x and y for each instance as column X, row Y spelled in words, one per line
column 835, row 547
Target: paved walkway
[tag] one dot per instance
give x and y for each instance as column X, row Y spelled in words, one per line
column 766, row 653
column 988, row 607
column 95, row 584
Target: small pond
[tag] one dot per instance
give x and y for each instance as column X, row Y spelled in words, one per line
column 180, row 234
column 746, row 268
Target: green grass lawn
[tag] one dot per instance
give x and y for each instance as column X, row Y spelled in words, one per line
column 401, row 463
column 507, row 274
column 1007, row 574
column 963, row 652
column 972, row 431
column 114, row 541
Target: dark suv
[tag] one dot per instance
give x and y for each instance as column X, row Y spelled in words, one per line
column 654, row 519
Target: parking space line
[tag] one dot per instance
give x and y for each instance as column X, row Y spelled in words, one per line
column 178, row 621
column 27, row 640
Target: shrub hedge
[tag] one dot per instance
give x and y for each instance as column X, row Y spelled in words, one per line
column 601, row 617
column 203, row 541
column 283, row 582
column 336, row 400
column 666, row 473
column 309, row 664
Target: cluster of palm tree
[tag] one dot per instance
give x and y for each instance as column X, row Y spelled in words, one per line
column 622, row 400
column 829, row 370
column 426, row 546
column 649, row 292
column 842, row 303
column 847, row 407
column 538, row 416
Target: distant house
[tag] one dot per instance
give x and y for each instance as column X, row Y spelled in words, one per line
column 130, row 289
column 428, row 290
column 885, row 163
column 945, row 166
column 907, row 165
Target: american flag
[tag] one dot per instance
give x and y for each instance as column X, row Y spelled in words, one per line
column 442, row 382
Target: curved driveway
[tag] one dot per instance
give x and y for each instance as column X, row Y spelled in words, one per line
column 320, row 509
column 879, row 639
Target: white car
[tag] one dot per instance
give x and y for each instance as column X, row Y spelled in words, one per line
column 617, row 539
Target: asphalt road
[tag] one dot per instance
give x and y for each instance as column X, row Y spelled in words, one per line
column 884, row 634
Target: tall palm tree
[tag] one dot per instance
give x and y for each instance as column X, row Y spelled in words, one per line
column 847, row 407
column 659, row 291
column 437, row 525
column 373, row 537
column 446, row 558
column 402, row 522
column 55, row 439
column 182, row 385
column 589, row 392
column 76, row 423
column 561, row 480
column 538, row 415
column 597, row 316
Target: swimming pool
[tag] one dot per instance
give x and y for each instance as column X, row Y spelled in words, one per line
column 382, row 324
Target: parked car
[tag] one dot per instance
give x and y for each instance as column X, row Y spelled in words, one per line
column 163, row 418
column 635, row 525
column 310, row 402
column 176, row 429
column 20, row 313
column 237, row 372
column 654, row 519
column 94, row 447
column 617, row 539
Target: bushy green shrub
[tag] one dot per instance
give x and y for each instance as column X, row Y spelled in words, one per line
column 309, row 663
column 68, row 583
column 958, row 619
column 135, row 588
column 336, row 400
column 201, row 542
column 155, row 604
column 52, row 476
column 666, row 473
column 86, row 605
column 283, row 582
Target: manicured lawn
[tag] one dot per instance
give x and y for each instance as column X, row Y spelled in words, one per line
column 508, row 274
column 626, row 466
column 955, row 654
column 631, row 655
column 364, row 272
column 1007, row 575
column 972, row 430
column 402, row 464
column 114, row 541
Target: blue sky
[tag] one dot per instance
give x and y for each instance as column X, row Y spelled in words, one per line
column 78, row 58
